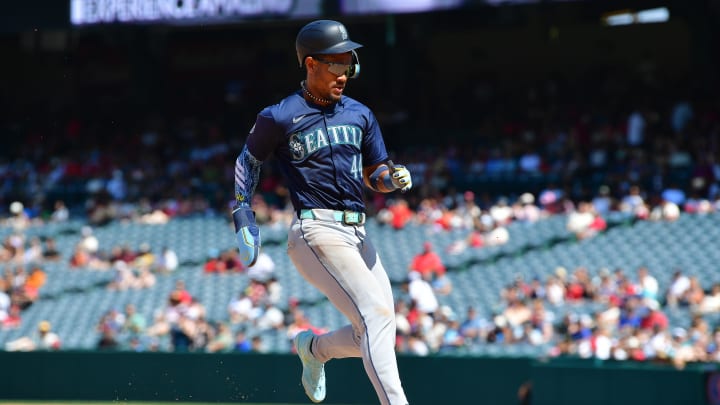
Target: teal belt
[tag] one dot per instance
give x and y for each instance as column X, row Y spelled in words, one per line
column 346, row 217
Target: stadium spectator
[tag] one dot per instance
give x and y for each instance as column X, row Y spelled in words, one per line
column 497, row 235
column 711, row 302
column 257, row 345
column 242, row 344
column 124, row 277
column 232, row 261
column 181, row 293
column 108, row 340
column 263, row 269
column 468, row 211
column 19, row 219
column 679, row 284
column 183, row 333
column 241, row 309
column 300, row 323
column 79, row 258
column 400, row 214
column 167, row 261
column 416, row 344
column 135, row 322
column 270, row 317
column 694, row 295
column 427, row 262
column 13, row 319
column 421, row 292
column 214, row 264
column 665, row 211
column 35, row 280
column 555, row 290
column 634, row 203
column 648, row 287
column 60, row 212
column 525, row 210
column 50, row 251
column 88, row 241
column 33, row 253
column 43, row 339
column 145, row 258
column 451, row 338
column 274, row 291
column 441, row 284
column 501, row 212
column 516, row 313
column 473, row 327
column 4, row 300
column 585, row 222
column 221, row 340
column 655, row 319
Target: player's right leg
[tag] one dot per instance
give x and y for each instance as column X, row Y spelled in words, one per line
column 328, row 256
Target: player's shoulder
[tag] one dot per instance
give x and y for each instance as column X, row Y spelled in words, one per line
column 285, row 110
column 354, row 108
column 349, row 102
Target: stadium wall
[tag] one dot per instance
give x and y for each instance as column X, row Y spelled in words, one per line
column 123, row 376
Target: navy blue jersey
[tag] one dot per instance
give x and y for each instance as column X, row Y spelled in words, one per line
column 321, row 150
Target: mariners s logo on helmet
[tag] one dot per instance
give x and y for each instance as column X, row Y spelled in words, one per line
column 343, row 32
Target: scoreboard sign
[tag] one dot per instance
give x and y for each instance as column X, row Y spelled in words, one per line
column 84, row 12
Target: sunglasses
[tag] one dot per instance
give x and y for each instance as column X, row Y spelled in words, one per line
column 350, row 70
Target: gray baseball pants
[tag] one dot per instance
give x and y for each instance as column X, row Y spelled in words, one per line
column 341, row 262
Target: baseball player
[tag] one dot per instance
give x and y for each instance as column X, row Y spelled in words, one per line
column 329, row 146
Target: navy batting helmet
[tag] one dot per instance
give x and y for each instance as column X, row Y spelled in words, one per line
column 324, row 37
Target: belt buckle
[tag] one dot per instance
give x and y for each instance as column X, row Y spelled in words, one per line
column 352, row 218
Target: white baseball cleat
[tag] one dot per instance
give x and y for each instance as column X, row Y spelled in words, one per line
column 313, row 375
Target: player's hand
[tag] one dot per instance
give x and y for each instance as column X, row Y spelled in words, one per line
column 248, row 234
column 400, row 176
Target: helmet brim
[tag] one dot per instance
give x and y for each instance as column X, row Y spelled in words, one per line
column 341, row 47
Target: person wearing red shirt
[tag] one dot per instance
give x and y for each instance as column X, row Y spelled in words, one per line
column 401, row 214
column 13, row 319
column 427, row 262
column 181, row 293
column 654, row 319
column 575, row 290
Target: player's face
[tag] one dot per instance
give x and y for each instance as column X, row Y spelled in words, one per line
column 326, row 76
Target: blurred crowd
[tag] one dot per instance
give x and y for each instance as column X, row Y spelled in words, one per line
column 577, row 312
column 253, row 315
column 646, row 151
column 610, row 316
column 560, row 139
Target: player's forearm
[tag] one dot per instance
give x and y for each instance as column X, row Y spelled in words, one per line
column 387, row 177
column 247, row 176
column 377, row 178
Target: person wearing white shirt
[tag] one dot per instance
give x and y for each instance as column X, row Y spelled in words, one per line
column 263, row 268
column 678, row 286
column 4, row 301
column 168, row 261
column 422, row 293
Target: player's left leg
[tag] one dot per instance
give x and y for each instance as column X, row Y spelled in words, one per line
column 385, row 336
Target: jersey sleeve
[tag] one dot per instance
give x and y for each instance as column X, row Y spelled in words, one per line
column 260, row 143
column 265, row 135
column 373, row 148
